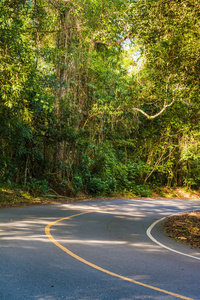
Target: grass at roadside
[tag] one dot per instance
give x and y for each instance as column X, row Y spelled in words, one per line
column 10, row 197
column 185, row 228
column 18, row 196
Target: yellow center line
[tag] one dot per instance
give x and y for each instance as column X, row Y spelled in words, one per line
column 47, row 232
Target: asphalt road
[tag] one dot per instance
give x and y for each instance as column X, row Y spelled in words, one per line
column 96, row 250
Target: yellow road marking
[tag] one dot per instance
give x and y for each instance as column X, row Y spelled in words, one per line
column 47, row 232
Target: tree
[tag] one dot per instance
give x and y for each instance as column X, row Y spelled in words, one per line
column 168, row 35
column 76, row 111
column 168, row 82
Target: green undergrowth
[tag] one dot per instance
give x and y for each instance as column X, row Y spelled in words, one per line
column 16, row 197
column 22, row 196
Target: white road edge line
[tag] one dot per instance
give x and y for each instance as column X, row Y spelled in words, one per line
column 148, row 232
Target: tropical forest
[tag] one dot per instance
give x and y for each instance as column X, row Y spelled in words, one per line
column 99, row 97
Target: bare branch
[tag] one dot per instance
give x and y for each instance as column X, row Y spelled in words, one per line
column 93, row 115
column 124, row 38
column 156, row 115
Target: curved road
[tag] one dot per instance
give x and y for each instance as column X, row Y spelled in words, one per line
column 96, row 250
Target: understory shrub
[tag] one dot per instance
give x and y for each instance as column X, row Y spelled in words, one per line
column 38, row 187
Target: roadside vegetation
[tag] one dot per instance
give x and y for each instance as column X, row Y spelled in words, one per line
column 99, row 98
column 11, row 196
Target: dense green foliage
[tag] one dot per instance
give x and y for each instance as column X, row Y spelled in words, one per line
column 99, row 96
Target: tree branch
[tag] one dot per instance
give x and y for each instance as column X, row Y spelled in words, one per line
column 124, row 38
column 156, row 115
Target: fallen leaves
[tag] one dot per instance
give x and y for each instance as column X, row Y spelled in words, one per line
column 185, row 228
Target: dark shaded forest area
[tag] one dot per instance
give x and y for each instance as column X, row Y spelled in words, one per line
column 99, row 96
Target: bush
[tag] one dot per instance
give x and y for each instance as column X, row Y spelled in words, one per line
column 38, row 187
column 96, row 186
column 142, row 191
column 77, row 183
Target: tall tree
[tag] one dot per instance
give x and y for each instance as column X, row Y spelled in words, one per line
column 168, row 33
